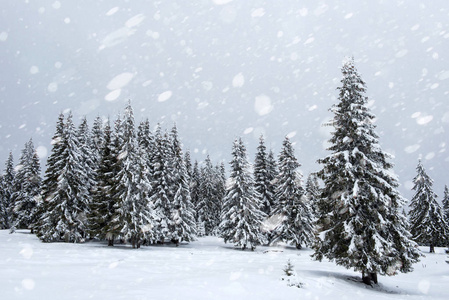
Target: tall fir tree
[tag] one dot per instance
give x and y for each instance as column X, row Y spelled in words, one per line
column 242, row 216
column 132, row 218
column 161, row 189
column 362, row 226
column 183, row 227
column 88, row 161
column 262, row 178
column 208, row 205
column 427, row 223
column 28, row 189
column 2, row 204
column 312, row 190
column 145, row 142
column 7, row 189
column 50, row 182
column 65, row 207
column 220, row 182
column 97, row 137
column 272, row 173
column 188, row 163
column 101, row 208
column 445, row 203
column 195, row 195
column 296, row 219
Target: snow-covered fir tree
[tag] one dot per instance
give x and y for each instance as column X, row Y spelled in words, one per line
column 101, row 207
column 362, row 226
column 242, row 215
column 188, row 164
column 96, row 140
column 427, row 223
column 195, row 195
column 65, row 207
column 28, row 188
column 88, row 160
column 97, row 136
column 445, row 203
column 220, row 183
column 50, row 182
column 182, row 227
column 2, row 205
column 312, row 190
column 263, row 178
column 162, row 192
column 272, row 173
column 6, row 191
column 209, row 203
column 291, row 207
column 133, row 215
column 145, row 142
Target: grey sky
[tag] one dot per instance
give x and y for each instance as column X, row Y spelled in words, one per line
column 222, row 69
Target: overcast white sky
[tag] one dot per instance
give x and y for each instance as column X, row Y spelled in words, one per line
column 222, row 69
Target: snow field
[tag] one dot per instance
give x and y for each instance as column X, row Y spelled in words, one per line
column 205, row 269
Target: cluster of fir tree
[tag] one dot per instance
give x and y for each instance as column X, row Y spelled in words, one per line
column 429, row 222
column 360, row 223
column 20, row 188
column 126, row 184
column 267, row 203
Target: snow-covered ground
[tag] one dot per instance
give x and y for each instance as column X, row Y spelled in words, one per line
column 205, row 269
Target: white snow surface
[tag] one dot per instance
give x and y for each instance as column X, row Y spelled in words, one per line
column 205, row 269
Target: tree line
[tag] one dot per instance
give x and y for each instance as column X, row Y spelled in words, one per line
column 123, row 182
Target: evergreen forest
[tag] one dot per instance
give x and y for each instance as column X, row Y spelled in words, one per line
column 120, row 181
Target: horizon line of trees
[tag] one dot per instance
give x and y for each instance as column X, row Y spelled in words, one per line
column 126, row 183
column 129, row 184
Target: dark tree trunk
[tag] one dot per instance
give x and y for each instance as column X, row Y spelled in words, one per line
column 111, row 242
column 369, row 278
column 374, row 277
column 298, row 246
column 432, row 248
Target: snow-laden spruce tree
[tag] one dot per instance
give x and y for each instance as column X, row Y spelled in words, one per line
column 220, row 183
column 161, row 189
column 427, row 224
column 209, row 201
column 296, row 219
column 195, row 194
column 182, row 227
column 50, row 182
column 28, row 189
column 101, row 206
column 145, row 142
column 188, row 164
column 446, row 204
column 133, row 215
column 242, row 215
column 262, row 178
column 97, row 139
column 6, row 191
column 3, row 206
column 88, row 160
column 64, row 208
column 312, row 190
column 360, row 219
